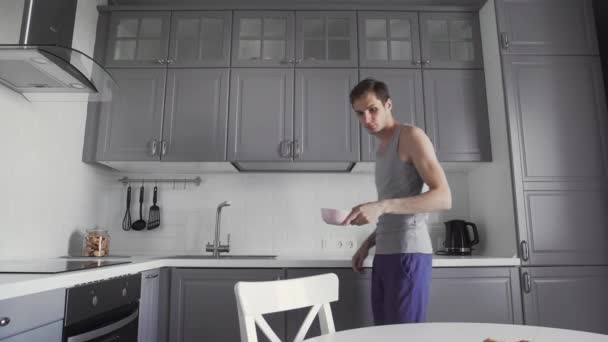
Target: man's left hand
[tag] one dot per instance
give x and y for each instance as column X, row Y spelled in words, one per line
column 364, row 214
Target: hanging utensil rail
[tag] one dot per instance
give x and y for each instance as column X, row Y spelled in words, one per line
column 126, row 180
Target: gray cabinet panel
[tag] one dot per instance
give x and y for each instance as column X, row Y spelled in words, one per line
column 261, row 113
column 133, row 119
column 352, row 310
column 326, row 39
column 263, row 39
column 547, row 27
column 200, row 39
column 457, row 114
column 149, row 306
column 138, row 39
column 450, row 40
column 405, row 87
column 326, row 127
column 32, row 311
column 566, row 227
column 486, row 295
column 566, row 297
column 52, row 332
column 203, row 304
column 196, row 115
column 389, row 39
column 557, row 118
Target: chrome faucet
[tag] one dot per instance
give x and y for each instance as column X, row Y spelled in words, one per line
column 217, row 247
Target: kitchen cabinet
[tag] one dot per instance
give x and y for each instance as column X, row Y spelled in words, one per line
column 450, row 40
column 263, row 39
column 546, row 27
column 405, row 86
column 184, row 122
column 31, row 317
column 486, row 295
column 326, row 39
column 149, row 306
column 389, row 39
column 203, row 304
column 352, row 310
column 566, row 297
column 557, row 122
column 457, row 115
column 138, row 39
column 52, row 332
column 200, row 39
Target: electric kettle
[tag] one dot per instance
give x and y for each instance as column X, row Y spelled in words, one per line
column 458, row 241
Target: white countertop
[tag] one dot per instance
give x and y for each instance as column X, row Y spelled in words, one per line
column 14, row 285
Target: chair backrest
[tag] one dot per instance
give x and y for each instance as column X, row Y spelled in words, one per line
column 255, row 299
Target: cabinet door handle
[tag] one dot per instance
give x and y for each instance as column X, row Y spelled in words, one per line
column 287, row 61
column 161, row 61
column 418, row 62
column 527, row 283
column 153, row 147
column 151, row 276
column 525, row 252
column 170, row 61
column 504, row 39
column 4, row 321
column 163, row 147
column 426, row 62
column 296, row 148
column 285, row 149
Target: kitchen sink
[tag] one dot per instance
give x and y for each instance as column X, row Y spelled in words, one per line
column 229, row 256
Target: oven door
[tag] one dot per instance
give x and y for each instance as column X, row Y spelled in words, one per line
column 120, row 325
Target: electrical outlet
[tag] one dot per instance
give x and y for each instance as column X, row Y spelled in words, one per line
column 339, row 244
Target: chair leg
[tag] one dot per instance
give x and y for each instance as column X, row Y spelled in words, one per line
column 326, row 320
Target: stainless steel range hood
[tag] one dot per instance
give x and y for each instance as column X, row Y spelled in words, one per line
column 54, row 73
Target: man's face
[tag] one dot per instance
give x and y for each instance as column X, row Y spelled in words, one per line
column 371, row 113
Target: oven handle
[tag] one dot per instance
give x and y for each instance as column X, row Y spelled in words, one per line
column 104, row 330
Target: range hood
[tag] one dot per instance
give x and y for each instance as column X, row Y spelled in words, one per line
column 54, row 73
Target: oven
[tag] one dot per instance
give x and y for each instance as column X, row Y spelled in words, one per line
column 103, row 311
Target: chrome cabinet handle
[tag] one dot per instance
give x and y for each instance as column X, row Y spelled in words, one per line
column 418, row 62
column 287, row 61
column 504, row 39
column 285, row 149
column 151, row 276
column 4, row 321
column 525, row 252
column 426, row 62
column 296, row 148
column 161, row 61
column 163, row 147
column 153, row 147
column 170, row 61
column 527, row 283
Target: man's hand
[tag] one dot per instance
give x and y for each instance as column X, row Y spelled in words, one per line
column 360, row 255
column 364, row 214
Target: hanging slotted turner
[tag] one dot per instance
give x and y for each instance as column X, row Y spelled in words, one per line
column 154, row 216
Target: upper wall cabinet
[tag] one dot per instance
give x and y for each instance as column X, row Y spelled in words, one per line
column 138, row 39
column 263, row 39
column 547, row 27
column 200, row 39
column 388, row 39
column 450, row 40
column 326, row 39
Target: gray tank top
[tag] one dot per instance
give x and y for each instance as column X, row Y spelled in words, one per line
column 396, row 178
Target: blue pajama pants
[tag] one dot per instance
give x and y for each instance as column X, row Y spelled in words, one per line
column 400, row 287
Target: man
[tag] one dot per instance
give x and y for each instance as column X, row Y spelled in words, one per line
column 405, row 159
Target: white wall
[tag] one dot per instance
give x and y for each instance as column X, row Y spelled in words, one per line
column 11, row 14
column 46, row 192
column 270, row 213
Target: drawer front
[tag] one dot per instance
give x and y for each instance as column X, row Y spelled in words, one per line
column 31, row 311
column 49, row 333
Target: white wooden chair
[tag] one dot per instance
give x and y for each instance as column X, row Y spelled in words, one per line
column 255, row 299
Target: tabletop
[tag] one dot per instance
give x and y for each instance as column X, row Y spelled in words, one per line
column 456, row 332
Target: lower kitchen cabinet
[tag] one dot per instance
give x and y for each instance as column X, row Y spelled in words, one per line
column 48, row 333
column 203, row 304
column 566, row 297
column 353, row 309
column 149, row 306
column 485, row 295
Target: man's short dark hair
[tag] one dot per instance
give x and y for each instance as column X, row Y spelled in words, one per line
column 370, row 85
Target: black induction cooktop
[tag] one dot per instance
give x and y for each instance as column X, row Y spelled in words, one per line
column 52, row 266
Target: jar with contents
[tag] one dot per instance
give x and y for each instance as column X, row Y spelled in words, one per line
column 96, row 243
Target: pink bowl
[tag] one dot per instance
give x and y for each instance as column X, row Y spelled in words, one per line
column 334, row 216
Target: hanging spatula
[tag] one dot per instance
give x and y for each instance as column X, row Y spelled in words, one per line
column 154, row 216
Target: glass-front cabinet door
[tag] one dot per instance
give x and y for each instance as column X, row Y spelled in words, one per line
column 326, row 39
column 389, row 39
column 263, row 38
column 450, row 40
column 200, row 39
column 138, row 39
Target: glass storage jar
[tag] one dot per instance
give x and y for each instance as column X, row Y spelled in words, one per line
column 96, row 243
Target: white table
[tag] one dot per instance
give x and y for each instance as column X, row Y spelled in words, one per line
column 459, row 332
